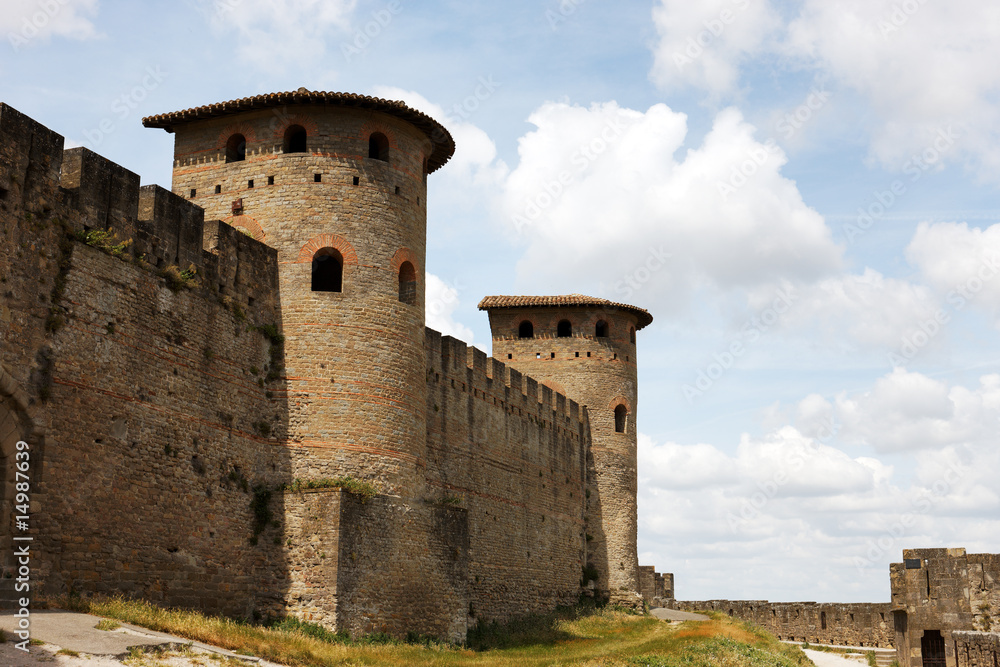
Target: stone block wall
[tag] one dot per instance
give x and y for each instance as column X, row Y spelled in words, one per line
column 860, row 624
column 513, row 454
column 976, row 649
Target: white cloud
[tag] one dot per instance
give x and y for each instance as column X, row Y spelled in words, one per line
column 866, row 310
column 440, row 303
column 600, row 196
column 923, row 66
column 272, row 34
column 962, row 263
column 907, row 411
column 475, row 161
column 23, row 21
column 704, row 43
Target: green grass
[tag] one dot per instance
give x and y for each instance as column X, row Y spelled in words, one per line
column 582, row 635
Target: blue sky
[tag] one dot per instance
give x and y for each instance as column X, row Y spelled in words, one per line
column 803, row 193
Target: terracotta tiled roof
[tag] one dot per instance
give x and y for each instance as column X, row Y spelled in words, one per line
column 444, row 145
column 491, row 302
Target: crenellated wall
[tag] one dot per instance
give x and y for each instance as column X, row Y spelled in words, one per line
column 859, row 624
column 513, row 453
column 167, row 427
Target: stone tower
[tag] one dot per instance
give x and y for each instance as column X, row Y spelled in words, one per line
column 585, row 348
column 337, row 184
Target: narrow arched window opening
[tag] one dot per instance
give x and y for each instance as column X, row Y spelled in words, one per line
column 526, row 330
column 601, row 330
column 295, row 139
column 621, row 418
column 378, row 147
column 236, row 148
column 407, row 284
column 564, row 329
column 631, row 335
column 328, row 271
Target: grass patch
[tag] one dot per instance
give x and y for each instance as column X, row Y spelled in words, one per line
column 583, row 634
column 69, row 652
column 107, row 624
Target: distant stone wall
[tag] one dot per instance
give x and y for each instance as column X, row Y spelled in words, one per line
column 818, row 623
column 976, row 649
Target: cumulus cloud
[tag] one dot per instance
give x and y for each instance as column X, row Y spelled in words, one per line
column 924, row 68
column 960, row 262
column 274, row 33
column 475, row 161
column 605, row 194
column 704, row 43
column 440, row 303
column 907, row 411
column 24, row 21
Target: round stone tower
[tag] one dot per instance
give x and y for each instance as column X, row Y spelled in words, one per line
column 336, row 183
column 585, row 348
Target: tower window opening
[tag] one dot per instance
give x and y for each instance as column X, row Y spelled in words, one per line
column 357, row 180
column 525, row 330
column 378, row 147
column 564, row 329
column 317, row 178
column 236, row 148
column 601, row 330
column 631, row 335
column 250, row 183
column 510, row 356
column 822, row 620
column 218, row 189
column 295, row 140
column 327, row 270
column 407, row 284
column 552, row 355
column 194, row 193
column 621, row 418
column 270, row 180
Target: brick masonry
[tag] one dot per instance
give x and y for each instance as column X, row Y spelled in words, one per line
column 170, row 414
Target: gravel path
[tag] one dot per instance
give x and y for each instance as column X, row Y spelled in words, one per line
column 824, row 659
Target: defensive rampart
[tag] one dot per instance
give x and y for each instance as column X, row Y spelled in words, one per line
column 861, row 624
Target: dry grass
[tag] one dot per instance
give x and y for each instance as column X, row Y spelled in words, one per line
column 579, row 636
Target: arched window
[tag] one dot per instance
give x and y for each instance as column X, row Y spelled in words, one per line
column 378, row 147
column 621, row 418
column 295, row 139
column 631, row 335
column 601, row 330
column 525, row 330
column 407, row 284
column 328, row 270
column 236, row 148
column 564, row 329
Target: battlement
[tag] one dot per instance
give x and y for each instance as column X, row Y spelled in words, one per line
column 488, row 377
column 87, row 191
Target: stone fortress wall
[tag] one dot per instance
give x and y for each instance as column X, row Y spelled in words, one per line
column 180, row 393
column 856, row 624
